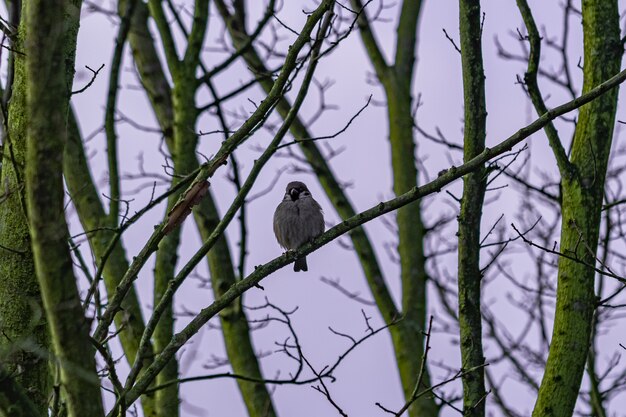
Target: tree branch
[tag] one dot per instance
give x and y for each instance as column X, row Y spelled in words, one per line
column 530, row 79
column 382, row 208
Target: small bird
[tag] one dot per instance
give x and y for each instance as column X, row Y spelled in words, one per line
column 297, row 220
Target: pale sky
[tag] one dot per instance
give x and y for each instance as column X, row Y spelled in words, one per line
column 369, row 374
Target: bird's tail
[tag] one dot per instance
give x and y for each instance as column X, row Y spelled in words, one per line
column 300, row 264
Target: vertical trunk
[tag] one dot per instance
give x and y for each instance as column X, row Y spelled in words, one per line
column 183, row 154
column 51, row 30
column 469, row 274
column 166, row 399
column 175, row 111
column 582, row 201
column 21, row 310
column 234, row 322
column 159, row 93
column 397, row 81
column 239, row 347
column 407, row 335
column 91, row 214
column 408, row 340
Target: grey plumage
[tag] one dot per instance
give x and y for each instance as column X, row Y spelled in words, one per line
column 298, row 219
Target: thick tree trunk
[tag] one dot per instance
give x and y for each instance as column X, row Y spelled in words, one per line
column 51, row 31
column 22, row 318
column 581, row 208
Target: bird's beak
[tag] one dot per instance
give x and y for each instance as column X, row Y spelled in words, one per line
column 294, row 194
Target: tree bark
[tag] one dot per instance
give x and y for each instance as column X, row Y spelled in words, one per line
column 92, row 216
column 581, row 208
column 175, row 110
column 51, row 31
column 22, row 317
column 397, row 79
column 474, row 184
column 407, row 335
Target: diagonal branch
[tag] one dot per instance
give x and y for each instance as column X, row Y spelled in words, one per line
column 369, row 40
column 208, row 169
column 328, row 181
column 346, row 226
column 109, row 118
column 530, row 79
column 169, row 47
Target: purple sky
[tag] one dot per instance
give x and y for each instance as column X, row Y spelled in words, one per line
column 369, row 375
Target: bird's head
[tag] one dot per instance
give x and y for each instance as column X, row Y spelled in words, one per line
column 296, row 189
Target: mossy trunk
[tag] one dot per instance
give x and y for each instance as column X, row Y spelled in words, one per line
column 92, row 216
column 51, row 31
column 581, row 208
column 183, row 150
column 175, row 110
column 408, row 338
column 474, row 184
column 22, row 318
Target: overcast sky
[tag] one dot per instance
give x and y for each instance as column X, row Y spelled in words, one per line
column 369, row 374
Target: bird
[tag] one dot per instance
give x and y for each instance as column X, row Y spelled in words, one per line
column 298, row 219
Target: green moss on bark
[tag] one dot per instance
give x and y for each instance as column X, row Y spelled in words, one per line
column 178, row 123
column 22, row 318
column 91, row 214
column 469, row 273
column 183, row 150
column 581, row 208
column 50, row 51
column 408, row 338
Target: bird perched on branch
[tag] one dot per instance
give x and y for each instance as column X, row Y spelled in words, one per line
column 298, row 219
